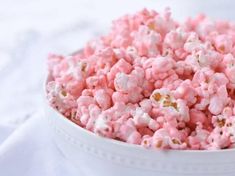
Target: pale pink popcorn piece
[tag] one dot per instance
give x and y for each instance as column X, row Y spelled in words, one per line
column 218, row 140
column 175, row 39
column 85, row 101
column 229, row 70
column 218, row 101
column 199, row 139
column 142, row 119
column 146, row 105
column 205, row 27
column 216, row 106
column 195, row 117
column 59, row 98
column 163, row 98
column 160, row 139
column 146, row 41
column 120, row 97
column 125, row 83
column 146, row 141
column 183, row 110
column 84, row 118
column 193, row 43
column 230, row 73
column 94, row 112
column 120, row 66
column 223, row 43
column 103, row 126
column 162, row 64
column 102, row 98
column 186, row 91
column 128, row 133
column 135, row 96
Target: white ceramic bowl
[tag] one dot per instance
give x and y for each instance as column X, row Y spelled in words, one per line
column 97, row 156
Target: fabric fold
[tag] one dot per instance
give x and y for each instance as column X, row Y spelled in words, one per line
column 30, row 151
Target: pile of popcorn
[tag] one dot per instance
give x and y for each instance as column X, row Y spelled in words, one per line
column 152, row 81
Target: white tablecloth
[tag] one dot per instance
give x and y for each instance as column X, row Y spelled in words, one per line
column 29, row 30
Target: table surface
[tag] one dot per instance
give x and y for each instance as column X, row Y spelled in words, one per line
column 31, row 29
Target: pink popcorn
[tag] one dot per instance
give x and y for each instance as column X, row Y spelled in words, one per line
column 125, row 83
column 223, row 43
column 186, row 91
column 120, row 97
column 85, row 101
column 171, row 82
column 146, row 105
column 218, row 139
column 230, row 74
column 146, row 141
column 60, row 99
column 147, row 87
column 94, row 112
column 128, row 133
column 199, row 139
column 175, row 39
column 193, row 43
column 120, row 66
column 162, row 65
column 121, row 111
column 170, row 106
column 102, row 126
column 183, row 70
column 142, row 119
column 205, row 27
column 146, row 41
column 163, row 139
column 162, row 23
column 229, row 70
column 138, row 74
column 152, row 81
column 56, row 64
column 102, row 98
column 216, row 106
column 196, row 116
column 84, row 118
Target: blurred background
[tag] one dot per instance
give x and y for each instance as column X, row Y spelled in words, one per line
column 30, row 29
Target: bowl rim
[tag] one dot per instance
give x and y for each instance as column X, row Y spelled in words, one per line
column 120, row 143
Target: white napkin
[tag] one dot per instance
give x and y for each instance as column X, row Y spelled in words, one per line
column 30, row 151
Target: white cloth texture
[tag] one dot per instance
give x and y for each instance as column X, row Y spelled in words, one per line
column 30, row 151
column 29, row 30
